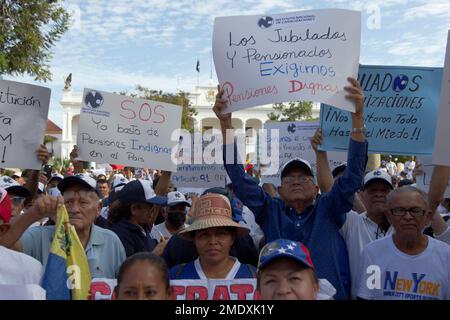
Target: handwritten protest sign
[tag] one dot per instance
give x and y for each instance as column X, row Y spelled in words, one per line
column 23, row 116
column 423, row 181
column 199, row 176
column 294, row 142
column 198, row 164
column 400, row 110
column 305, row 55
column 441, row 154
column 236, row 289
column 129, row 131
column 22, row 292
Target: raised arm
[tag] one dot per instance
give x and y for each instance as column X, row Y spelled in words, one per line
column 438, row 184
column 245, row 188
column 42, row 208
column 342, row 194
column 77, row 164
column 324, row 176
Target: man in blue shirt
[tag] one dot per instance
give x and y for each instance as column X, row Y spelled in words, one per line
column 300, row 214
column 104, row 251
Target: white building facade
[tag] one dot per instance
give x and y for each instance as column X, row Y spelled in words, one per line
column 202, row 99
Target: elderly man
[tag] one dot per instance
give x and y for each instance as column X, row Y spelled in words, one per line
column 301, row 215
column 407, row 265
column 104, row 250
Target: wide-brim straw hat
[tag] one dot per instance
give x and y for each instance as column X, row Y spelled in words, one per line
column 211, row 211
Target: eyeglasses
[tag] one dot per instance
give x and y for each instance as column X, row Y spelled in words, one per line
column 415, row 211
column 291, row 179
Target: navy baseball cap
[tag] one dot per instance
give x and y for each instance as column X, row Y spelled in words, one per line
column 339, row 169
column 12, row 186
column 297, row 163
column 283, row 248
column 140, row 191
column 78, row 179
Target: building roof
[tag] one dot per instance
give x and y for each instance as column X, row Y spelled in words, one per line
column 52, row 128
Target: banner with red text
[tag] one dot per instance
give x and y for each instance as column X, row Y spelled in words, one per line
column 305, row 55
column 129, row 131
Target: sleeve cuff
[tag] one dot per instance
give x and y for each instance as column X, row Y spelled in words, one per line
column 444, row 236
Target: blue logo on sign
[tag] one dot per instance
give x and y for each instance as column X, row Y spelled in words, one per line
column 265, row 22
column 400, row 83
column 291, row 128
column 93, row 100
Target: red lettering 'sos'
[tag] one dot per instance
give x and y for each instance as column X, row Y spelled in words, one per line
column 122, row 106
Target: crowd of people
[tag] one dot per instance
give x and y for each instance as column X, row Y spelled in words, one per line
column 337, row 234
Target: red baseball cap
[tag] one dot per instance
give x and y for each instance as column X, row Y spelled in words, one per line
column 5, row 206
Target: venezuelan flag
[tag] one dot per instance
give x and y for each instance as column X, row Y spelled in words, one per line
column 67, row 274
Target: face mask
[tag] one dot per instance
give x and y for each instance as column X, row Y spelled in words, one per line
column 54, row 192
column 176, row 218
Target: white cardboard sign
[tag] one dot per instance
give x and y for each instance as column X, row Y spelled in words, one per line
column 305, row 55
column 423, row 181
column 23, row 117
column 129, row 131
column 294, row 142
column 441, row 154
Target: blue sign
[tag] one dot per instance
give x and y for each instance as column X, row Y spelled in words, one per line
column 400, row 109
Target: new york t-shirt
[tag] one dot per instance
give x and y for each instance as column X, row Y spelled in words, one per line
column 387, row 273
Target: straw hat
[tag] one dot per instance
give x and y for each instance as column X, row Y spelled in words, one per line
column 212, row 210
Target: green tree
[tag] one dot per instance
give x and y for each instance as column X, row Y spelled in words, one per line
column 180, row 98
column 292, row 111
column 28, row 30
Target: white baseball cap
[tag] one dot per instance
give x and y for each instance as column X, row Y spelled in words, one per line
column 12, row 186
column 378, row 176
column 118, row 182
column 79, row 178
column 175, row 198
column 297, row 163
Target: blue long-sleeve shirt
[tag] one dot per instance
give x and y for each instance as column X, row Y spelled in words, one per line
column 318, row 225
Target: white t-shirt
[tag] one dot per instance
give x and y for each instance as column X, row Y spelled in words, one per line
column 358, row 231
column 17, row 268
column 255, row 230
column 230, row 276
column 425, row 276
column 160, row 232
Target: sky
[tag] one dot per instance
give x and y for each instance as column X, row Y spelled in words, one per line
column 114, row 45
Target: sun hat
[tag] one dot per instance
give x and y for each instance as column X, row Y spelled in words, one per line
column 212, row 210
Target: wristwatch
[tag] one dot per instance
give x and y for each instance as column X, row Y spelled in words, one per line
column 359, row 130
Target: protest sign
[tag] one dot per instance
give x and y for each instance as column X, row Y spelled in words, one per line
column 23, row 117
column 423, row 180
column 134, row 132
column 198, row 164
column 102, row 289
column 400, row 110
column 305, row 55
column 294, row 142
column 22, row 292
column 199, row 176
column 441, row 154
column 236, row 289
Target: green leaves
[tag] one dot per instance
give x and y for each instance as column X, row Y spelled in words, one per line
column 28, row 30
column 293, row 111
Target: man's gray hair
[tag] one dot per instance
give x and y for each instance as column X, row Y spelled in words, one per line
column 408, row 188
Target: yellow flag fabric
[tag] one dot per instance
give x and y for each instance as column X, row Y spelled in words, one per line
column 67, row 245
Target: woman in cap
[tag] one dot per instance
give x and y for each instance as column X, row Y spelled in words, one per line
column 286, row 272
column 133, row 217
column 213, row 232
